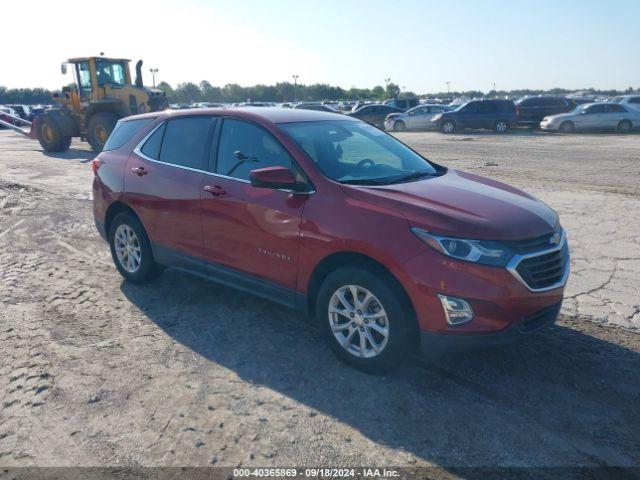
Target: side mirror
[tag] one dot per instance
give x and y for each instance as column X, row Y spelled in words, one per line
column 63, row 69
column 412, row 113
column 276, row 178
column 583, row 112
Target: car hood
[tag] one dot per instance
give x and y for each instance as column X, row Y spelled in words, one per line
column 461, row 204
column 561, row 116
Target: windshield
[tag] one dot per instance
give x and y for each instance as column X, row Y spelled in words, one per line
column 358, row 153
column 617, row 99
column 580, row 108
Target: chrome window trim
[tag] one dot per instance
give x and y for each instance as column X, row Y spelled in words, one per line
column 138, row 151
column 515, row 261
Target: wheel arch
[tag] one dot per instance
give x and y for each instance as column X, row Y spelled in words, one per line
column 343, row 259
column 116, row 208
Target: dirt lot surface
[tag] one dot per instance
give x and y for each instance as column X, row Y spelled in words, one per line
column 97, row 372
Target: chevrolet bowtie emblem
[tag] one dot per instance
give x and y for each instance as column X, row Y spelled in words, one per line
column 555, row 239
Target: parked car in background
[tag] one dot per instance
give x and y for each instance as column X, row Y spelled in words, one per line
column 416, row 118
column 36, row 111
column 4, row 115
column 594, row 116
column 207, row 105
column 374, row 114
column 630, row 101
column 582, row 99
column 385, row 250
column 22, row 111
column 403, row 103
column 531, row 110
column 315, row 106
column 498, row 115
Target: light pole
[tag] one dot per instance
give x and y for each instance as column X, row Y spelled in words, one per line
column 448, row 88
column 153, row 75
column 295, row 86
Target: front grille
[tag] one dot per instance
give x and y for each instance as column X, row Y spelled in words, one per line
column 546, row 270
column 540, row 319
column 533, row 244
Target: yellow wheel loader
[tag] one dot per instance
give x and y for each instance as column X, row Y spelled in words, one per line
column 102, row 94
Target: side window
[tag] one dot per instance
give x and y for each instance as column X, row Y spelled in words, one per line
column 151, row 147
column 485, row 107
column 245, row 147
column 471, row 107
column 124, row 131
column 595, row 109
column 615, row 108
column 635, row 100
column 185, row 141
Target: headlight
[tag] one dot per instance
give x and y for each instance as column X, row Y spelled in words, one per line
column 478, row 251
column 436, row 118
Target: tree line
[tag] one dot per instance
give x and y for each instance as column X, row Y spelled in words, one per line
column 285, row 92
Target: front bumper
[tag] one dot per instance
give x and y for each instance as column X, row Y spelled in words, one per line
column 548, row 126
column 435, row 343
column 388, row 125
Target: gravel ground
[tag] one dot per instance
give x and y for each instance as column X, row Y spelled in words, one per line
column 97, row 372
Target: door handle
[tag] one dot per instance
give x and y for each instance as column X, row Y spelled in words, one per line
column 140, row 171
column 215, row 190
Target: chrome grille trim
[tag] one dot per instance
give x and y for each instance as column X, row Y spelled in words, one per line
column 515, row 261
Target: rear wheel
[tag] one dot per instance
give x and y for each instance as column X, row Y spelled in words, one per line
column 624, row 126
column 99, row 127
column 448, row 126
column 131, row 250
column 501, row 126
column 50, row 135
column 364, row 320
column 399, row 126
column 567, row 127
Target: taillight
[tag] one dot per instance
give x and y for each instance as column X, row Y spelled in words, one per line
column 95, row 165
column 517, row 109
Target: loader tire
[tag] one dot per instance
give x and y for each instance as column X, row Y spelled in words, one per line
column 99, row 127
column 50, row 136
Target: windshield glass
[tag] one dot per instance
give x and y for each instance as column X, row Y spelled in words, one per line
column 358, row 153
column 580, row 108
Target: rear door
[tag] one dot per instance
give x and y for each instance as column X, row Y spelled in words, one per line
column 614, row 114
column 249, row 230
column 163, row 181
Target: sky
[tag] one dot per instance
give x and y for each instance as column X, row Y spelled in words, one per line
column 419, row 44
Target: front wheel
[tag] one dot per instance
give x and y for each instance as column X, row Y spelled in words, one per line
column 364, row 320
column 399, row 126
column 567, row 127
column 624, row 126
column 501, row 126
column 131, row 250
column 448, row 127
column 50, row 135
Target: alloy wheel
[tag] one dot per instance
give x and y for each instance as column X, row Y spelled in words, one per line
column 501, row 127
column 448, row 127
column 358, row 321
column 128, row 249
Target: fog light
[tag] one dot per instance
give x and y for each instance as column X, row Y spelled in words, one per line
column 456, row 310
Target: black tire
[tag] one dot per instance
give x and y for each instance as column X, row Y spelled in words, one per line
column 148, row 269
column 567, row 127
column 444, row 126
column 399, row 344
column 99, row 127
column 501, row 126
column 399, row 126
column 625, row 126
column 50, row 135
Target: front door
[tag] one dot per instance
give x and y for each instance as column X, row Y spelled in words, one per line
column 163, row 180
column 248, row 231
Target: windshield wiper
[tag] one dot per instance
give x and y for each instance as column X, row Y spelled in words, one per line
column 413, row 176
column 363, row 181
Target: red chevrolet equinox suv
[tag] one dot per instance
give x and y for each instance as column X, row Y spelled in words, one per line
column 387, row 251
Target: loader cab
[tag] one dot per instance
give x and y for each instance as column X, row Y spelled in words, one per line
column 97, row 76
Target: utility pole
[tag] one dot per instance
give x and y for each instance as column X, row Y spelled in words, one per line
column 448, row 88
column 153, row 75
column 295, row 86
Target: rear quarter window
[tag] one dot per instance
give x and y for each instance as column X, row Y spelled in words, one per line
column 124, row 131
